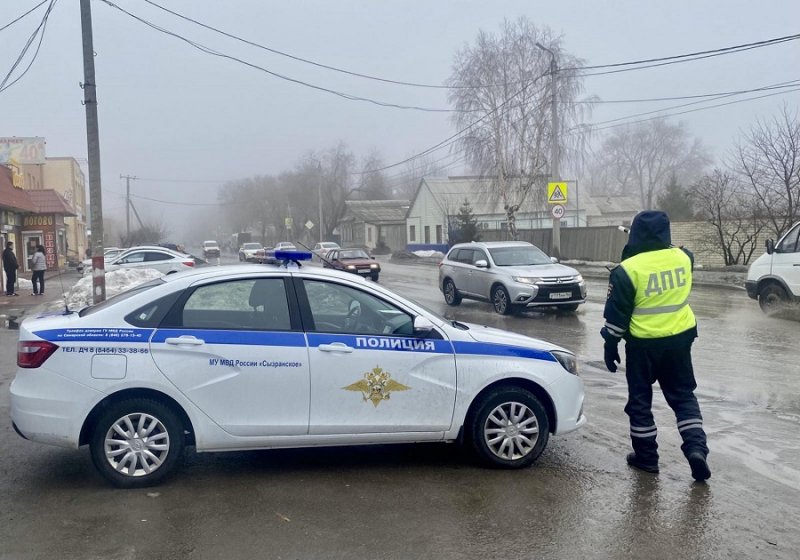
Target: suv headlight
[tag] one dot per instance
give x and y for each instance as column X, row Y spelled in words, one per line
column 579, row 279
column 526, row 279
column 567, row 360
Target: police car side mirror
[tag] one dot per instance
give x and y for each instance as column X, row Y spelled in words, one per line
column 422, row 325
column 770, row 246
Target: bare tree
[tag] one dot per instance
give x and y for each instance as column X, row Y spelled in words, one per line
column 407, row 183
column 501, row 90
column 149, row 233
column 372, row 184
column 640, row 159
column 768, row 160
column 731, row 210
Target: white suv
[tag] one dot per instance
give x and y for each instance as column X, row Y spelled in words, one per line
column 510, row 275
column 774, row 277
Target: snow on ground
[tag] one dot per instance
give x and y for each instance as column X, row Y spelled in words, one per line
column 117, row 281
column 438, row 254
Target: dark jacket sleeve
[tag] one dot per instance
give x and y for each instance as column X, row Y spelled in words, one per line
column 619, row 306
column 690, row 255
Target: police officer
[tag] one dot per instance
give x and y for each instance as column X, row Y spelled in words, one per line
column 648, row 306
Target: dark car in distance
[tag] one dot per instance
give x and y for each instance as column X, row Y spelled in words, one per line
column 356, row 261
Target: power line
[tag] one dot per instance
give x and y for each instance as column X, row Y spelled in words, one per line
column 152, row 180
column 12, row 22
column 39, row 31
column 208, row 50
column 680, row 97
column 694, row 110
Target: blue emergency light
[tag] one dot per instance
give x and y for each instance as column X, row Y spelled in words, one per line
column 286, row 257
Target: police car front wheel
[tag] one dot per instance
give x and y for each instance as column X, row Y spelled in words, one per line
column 509, row 428
column 137, row 443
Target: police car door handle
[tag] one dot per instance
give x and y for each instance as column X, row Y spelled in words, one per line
column 335, row 347
column 188, row 340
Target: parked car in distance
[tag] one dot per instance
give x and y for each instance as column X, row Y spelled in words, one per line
column 774, row 277
column 210, row 249
column 322, row 248
column 162, row 259
column 224, row 358
column 511, row 275
column 285, row 246
column 108, row 254
column 248, row 251
column 356, row 261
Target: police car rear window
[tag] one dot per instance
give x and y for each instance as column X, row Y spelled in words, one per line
column 120, row 297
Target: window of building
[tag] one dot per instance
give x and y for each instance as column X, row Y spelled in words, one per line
column 369, row 233
column 427, row 234
column 439, row 234
column 412, row 233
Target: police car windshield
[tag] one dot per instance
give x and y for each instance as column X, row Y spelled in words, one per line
column 120, row 297
column 518, row 256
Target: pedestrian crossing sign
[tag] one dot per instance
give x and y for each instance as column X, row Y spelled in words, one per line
column 557, row 193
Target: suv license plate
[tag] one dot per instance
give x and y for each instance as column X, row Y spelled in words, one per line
column 561, row 295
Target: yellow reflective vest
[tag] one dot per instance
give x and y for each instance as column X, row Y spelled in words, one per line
column 662, row 281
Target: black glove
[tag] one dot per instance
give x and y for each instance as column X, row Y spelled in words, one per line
column 611, row 356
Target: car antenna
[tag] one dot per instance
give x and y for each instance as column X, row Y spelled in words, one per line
column 320, row 256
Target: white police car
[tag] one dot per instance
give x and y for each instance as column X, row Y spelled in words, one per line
column 242, row 357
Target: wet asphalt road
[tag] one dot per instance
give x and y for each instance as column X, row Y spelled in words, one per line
column 579, row 500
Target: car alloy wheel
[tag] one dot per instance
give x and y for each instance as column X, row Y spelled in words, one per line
column 451, row 296
column 500, row 301
column 137, row 443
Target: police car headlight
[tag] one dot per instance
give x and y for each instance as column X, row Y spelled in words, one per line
column 526, row 279
column 568, row 361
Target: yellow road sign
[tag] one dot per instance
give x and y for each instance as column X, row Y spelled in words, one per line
column 557, row 193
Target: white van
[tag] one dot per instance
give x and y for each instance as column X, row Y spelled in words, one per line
column 774, row 277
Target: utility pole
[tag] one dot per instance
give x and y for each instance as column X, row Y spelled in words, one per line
column 128, row 205
column 554, row 151
column 93, row 151
column 319, row 194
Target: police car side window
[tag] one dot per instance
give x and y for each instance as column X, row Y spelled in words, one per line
column 341, row 309
column 253, row 304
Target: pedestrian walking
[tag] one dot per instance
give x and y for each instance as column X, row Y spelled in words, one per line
column 38, row 265
column 647, row 305
column 10, row 266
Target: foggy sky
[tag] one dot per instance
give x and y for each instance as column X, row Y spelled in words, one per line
column 168, row 111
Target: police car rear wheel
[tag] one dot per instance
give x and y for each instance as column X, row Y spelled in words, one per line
column 509, row 428
column 451, row 296
column 137, row 443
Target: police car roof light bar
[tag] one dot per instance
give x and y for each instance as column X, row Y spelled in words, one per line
column 288, row 257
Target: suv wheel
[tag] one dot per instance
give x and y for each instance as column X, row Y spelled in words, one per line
column 771, row 298
column 451, row 296
column 500, row 300
column 509, row 428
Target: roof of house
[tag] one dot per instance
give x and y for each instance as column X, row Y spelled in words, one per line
column 617, row 204
column 12, row 197
column 48, row 201
column 451, row 192
column 376, row 211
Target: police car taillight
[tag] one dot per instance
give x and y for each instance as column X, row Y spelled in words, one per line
column 33, row 353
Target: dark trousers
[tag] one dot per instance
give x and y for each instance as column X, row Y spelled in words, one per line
column 672, row 368
column 11, row 279
column 38, row 276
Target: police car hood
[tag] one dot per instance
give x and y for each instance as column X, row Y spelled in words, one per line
column 550, row 270
column 489, row 335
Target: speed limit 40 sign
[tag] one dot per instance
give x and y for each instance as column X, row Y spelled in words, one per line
column 558, row 211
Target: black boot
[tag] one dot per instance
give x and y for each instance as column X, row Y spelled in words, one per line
column 637, row 463
column 699, row 466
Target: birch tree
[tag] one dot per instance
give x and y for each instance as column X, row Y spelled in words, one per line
column 501, row 92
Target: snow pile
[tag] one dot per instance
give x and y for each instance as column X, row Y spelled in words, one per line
column 437, row 254
column 117, row 281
